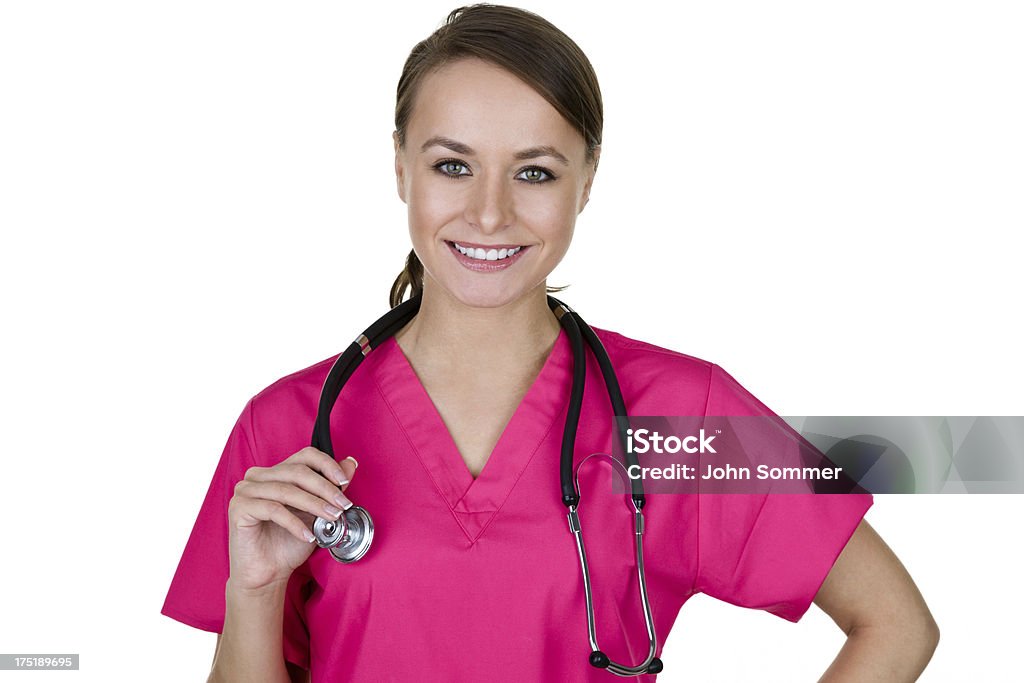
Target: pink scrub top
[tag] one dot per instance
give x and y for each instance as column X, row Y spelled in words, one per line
column 479, row 579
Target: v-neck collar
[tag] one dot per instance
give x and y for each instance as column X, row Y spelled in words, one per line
column 474, row 502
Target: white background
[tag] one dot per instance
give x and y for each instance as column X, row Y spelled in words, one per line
column 197, row 198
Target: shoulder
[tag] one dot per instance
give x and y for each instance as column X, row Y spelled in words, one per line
column 657, row 380
column 297, row 385
column 637, row 353
column 679, row 374
column 279, row 418
column 282, row 413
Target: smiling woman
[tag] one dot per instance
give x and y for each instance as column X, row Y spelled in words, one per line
column 480, row 172
column 454, row 428
column 537, row 70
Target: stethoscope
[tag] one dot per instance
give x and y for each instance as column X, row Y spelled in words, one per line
column 349, row 537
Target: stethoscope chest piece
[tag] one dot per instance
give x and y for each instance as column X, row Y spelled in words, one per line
column 348, row 537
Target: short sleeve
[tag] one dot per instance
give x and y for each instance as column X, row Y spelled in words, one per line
column 768, row 551
column 196, row 593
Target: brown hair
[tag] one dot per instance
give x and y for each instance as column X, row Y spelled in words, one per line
column 524, row 44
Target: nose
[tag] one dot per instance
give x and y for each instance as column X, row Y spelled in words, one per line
column 489, row 206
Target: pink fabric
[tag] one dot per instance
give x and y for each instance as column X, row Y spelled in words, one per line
column 472, row 580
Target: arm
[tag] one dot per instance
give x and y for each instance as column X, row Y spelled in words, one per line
column 891, row 634
column 295, row 672
column 250, row 647
column 269, row 538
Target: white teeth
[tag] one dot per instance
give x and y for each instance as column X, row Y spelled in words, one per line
column 486, row 255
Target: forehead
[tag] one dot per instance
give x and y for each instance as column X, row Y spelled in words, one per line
column 485, row 105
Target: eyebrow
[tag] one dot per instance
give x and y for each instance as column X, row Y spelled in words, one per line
column 460, row 148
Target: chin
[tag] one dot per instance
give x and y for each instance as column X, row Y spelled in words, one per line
column 483, row 290
column 491, row 296
column 486, row 298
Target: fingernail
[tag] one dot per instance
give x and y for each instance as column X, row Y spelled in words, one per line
column 344, row 502
column 309, row 536
column 342, row 479
column 354, row 461
column 333, row 511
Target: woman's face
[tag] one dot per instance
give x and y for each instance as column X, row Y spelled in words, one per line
column 494, row 178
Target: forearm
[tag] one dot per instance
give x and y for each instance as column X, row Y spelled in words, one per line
column 251, row 647
column 882, row 654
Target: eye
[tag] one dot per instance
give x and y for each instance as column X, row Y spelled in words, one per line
column 536, row 175
column 451, row 168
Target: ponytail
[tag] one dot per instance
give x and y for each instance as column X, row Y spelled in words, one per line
column 411, row 278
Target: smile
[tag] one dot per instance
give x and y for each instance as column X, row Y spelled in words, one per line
column 481, row 254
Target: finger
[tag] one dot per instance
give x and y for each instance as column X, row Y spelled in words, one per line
column 290, row 494
column 348, row 465
column 322, row 463
column 252, row 511
column 300, row 475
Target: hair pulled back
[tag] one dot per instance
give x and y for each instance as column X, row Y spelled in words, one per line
column 522, row 43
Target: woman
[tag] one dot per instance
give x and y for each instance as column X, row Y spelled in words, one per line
column 456, row 424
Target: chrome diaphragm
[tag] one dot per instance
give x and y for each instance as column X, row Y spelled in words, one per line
column 348, row 537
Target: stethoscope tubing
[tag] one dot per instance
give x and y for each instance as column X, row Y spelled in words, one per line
column 575, row 326
column 578, row 331
column 580, row 336
column 346, row 364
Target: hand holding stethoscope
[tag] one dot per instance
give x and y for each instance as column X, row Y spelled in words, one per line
column 272, row 511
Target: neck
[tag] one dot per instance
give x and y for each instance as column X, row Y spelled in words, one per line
column 449, row 336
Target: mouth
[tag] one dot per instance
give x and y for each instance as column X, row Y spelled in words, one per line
column 483, row 252
column 486, row 257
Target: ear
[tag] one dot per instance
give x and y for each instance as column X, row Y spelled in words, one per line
column 591, row 172
column 399, row 167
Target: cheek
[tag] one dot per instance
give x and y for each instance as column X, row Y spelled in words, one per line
column 430, row 205
column 552, row 215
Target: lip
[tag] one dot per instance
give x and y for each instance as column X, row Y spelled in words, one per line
column 486, row 266
column 485, row 247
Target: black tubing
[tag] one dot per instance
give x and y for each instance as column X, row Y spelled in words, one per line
column 618, row 403
column 346, row 364
column 576, row 329
column 570, row 496
column 614, row 396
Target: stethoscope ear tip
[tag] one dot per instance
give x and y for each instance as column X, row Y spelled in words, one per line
column 600, row 660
